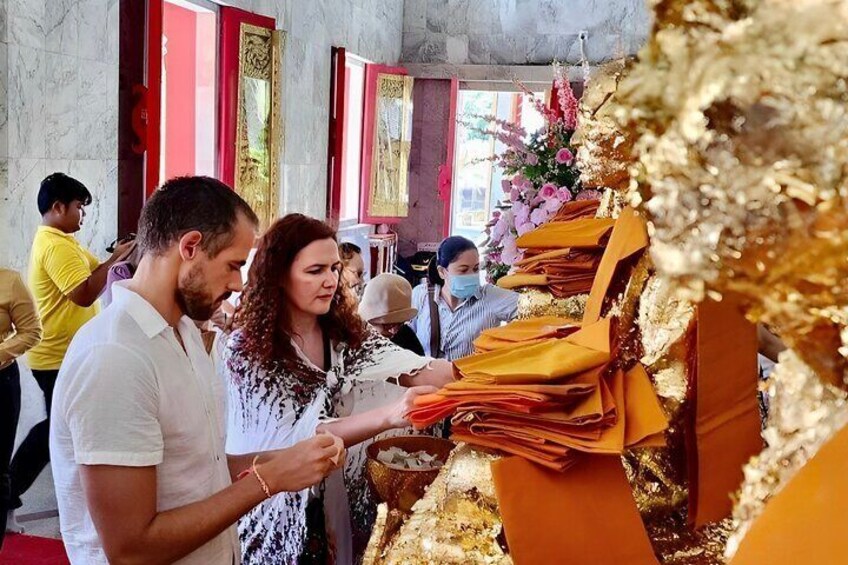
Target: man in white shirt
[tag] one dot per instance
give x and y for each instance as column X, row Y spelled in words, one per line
column 137, row 441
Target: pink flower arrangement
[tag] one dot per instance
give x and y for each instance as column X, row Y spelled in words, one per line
column 539, row 172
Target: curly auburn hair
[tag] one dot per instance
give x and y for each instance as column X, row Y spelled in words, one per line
column 263, row 315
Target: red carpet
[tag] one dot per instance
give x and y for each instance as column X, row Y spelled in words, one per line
column 31, row 550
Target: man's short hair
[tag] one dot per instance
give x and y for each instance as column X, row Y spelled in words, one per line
column 185, row 204
column 59, row 187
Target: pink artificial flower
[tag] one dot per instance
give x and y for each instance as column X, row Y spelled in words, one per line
column 564, row 157
column 524, row 228
column 506, row 185
column 553, row 205
column 588, row 194
column 539, row 216
column 510, row 253
column 548, row 191
column 518, row 180
column 532, row 159
column 514, row 195
column 568, row 105
column 522, row 212
column 499, row 231
column 564, row 194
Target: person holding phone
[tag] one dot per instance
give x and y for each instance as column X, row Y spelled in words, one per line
column 65, row 279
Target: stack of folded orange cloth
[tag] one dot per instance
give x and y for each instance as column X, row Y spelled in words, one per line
column 526, row 332
column 549, row 401
column 576, row 209
column 562, row 255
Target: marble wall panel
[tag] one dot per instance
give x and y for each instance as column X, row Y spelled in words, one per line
column 113, row 22
column 518, row 32
column 26, row 23
column 61, row 95
column 61, row 23
column 93, row 30
column 26, row 102
column 4, row 101
column 19, row 216
column 4, row 20
column 94, row 113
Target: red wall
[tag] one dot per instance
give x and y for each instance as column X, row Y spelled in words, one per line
column 180, row 27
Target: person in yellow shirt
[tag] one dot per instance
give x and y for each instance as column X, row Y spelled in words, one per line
column 65, row 280
column 20, row 330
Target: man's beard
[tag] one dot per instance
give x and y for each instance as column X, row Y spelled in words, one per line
column 194, row 300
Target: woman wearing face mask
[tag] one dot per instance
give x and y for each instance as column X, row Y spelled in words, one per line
column 455, row 308
column 301, row 361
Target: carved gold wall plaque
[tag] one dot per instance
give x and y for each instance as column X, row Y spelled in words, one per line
column 389, row 191
column 259, row 133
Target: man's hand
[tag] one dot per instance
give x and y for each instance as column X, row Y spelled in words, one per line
column 299, row 466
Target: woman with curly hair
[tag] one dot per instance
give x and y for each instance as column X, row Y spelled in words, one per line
column 301, row 361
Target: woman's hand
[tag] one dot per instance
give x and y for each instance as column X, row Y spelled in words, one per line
column 397, row 412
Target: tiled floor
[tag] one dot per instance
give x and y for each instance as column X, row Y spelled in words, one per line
column 39, row 515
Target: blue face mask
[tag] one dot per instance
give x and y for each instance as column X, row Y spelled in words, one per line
column 464, row 286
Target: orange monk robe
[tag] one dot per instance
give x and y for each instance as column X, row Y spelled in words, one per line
column 584, row 515
column 628, row 415
column 527, row 331
column 576, row 209
column 806, row 521
column 629, row 236
column 587, row 232
column 545, row 362
column 518, row 280
column 726, row 412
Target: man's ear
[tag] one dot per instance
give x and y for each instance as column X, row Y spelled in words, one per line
column 190, row 245
column 58, row 208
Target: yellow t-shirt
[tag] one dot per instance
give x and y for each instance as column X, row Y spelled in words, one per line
column 58, row 264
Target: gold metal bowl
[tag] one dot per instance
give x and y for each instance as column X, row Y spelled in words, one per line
column 401, row 488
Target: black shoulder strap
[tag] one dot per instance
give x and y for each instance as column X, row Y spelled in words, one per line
column 435, row 322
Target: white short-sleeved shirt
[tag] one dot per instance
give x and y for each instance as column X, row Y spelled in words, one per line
column 128, row 394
